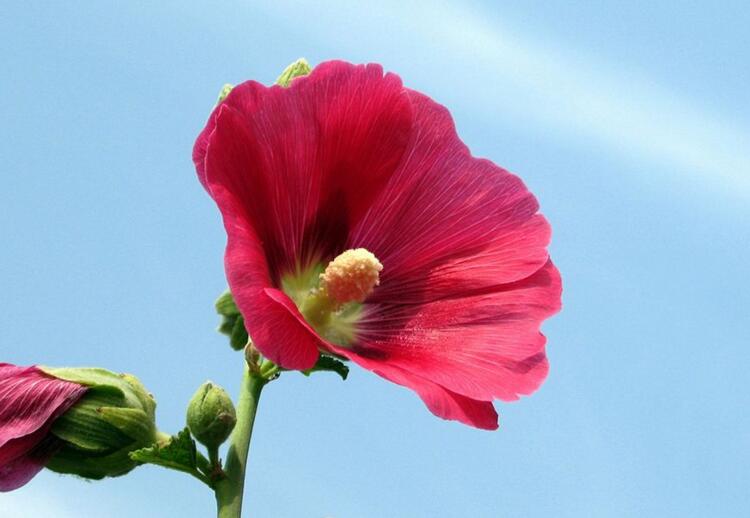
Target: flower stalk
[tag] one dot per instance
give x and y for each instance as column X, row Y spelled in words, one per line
column 229, row 490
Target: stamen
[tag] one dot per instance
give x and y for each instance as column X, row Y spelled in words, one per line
column 352, row 276
column 332, row 306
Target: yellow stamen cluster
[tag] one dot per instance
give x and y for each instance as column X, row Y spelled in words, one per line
column 352, row 276
column 331, row 301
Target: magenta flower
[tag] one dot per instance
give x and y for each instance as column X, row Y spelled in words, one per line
column 30, row 402
column 360, row 225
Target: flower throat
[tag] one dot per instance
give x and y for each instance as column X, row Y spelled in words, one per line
column 331, row 299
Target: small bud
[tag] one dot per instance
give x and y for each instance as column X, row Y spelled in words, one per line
column 224, row 92
column 112, row 419
column 211, row 415
column 299, row 68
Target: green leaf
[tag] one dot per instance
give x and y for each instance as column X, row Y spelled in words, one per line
column 232, row 324
column 331, row 364
column 73, row 461
column 177, row 453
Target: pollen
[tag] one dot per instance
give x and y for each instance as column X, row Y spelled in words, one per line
column 352, row 276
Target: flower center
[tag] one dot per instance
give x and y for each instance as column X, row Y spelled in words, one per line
column 331, row 301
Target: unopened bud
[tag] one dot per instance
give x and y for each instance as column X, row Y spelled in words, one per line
column 299, row 68
column 113, row 418
column 211, row 415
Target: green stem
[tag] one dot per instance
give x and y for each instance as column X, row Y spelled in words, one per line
column 213, row 457
column 229, row 490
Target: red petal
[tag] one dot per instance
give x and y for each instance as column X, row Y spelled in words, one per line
column 307, row 160
column 292, row 170
column 273, row 321
column 447, row 222
column 441, row 401
column 19, row 471
column 283, row 336
column 30, row 401
column 483, row 346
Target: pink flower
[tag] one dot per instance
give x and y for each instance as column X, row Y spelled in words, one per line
column 360, row 225
column 30, row 402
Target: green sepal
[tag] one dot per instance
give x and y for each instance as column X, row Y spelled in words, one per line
column 232, row 324
column 141, row 393
column 127, row 386
column 131, row 421
column 225, row 305
column 299, row 68
column 70, row 461
column 84, row 428
column 239, row 337
column 331, row 364
column 178, row 453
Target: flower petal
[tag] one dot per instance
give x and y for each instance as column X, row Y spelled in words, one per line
column 307, row 160
column 296, row 335
column 447, row 222
column 283, row 335
column 21, row 470
column 292, row 169
column 439, row 400
column 269, row 315
column 30, row 401
column 483, row 346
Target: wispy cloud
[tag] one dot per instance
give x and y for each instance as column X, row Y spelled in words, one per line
column 540, row 83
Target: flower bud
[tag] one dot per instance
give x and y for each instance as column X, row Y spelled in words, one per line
column 211, row 415
column 112, row 419
column 299, row 68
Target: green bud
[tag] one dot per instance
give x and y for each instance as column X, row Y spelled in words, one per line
column 211, row 415
column 299, row 68
column 113, row 418
column 224, row 92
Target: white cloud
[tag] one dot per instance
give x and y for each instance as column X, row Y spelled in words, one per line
column 606, row 106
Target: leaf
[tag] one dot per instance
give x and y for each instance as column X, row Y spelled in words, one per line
column 232, row 324
column 178, row 453
column 331, row 364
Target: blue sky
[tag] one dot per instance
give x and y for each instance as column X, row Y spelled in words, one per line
column 629, row 120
